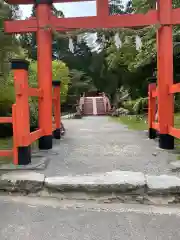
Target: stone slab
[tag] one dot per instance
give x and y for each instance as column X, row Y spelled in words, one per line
column 175, row 166
column 115, row 181
column 163, row 184
column 24, row 181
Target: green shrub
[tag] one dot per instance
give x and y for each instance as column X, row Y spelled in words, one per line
column 60, row 72
column 129, row 105
column 33, row 106
column 177, row 103
column 140, row 105
column 7, row 98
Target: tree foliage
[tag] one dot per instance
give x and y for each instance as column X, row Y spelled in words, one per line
column 8, row 44
column 59, row 71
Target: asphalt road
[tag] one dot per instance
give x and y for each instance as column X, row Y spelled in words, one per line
column 50, row 219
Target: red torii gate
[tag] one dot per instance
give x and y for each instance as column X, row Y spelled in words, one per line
column 164, row 15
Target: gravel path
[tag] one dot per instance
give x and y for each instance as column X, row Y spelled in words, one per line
column 98, row 144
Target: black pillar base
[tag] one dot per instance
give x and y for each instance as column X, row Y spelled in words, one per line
column 166, row 141
column 24, row 155
column 45, row 142
column 152, row 133
column 57, row 133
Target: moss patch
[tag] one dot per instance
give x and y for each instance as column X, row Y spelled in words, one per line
column 133, row 122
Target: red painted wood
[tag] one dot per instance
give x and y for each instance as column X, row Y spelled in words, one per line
column 35, row 92
column 20, row 26
column 126, row 20
column 57, row 106
column 15, row 145
column 151, row 105
column 5, row 119
column 60, row 24
column 165, row 68
column 155, row 93
column 53, row 126
column 174, row 132
column 6, row 153
column 102, row 8
column 36, row 135
column 165, row 11
column 44, row 52
column 22, row 107
column 133, row 20
column 155, row 125
column 174, row 88
column 32, row 1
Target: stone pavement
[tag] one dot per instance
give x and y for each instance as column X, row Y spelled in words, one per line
column 98, row 155
column 98, row 144
column 49, row 219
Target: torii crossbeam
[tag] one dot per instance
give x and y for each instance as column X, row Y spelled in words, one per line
column 164, row 16
column 102, row 20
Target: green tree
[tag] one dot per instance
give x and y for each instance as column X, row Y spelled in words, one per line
column 60, row 71
column 8, row 43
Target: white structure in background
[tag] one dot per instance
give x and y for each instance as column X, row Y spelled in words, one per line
column 80, row 37
column 117, row 40
column 138, row 43
column 71, row 45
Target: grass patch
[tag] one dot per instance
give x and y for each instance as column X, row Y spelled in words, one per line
column 133, row 122
column 177, row 120
column 177, row 125
column 140, row 123
column 7, row 144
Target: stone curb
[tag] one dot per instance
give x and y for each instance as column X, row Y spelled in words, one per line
column 116, row 181
column 175, row 166
column 122, row 182
column 24, row 181
column 163, row 184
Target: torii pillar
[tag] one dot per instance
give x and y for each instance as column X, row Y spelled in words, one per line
column 165, row 73
column 44, row 55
